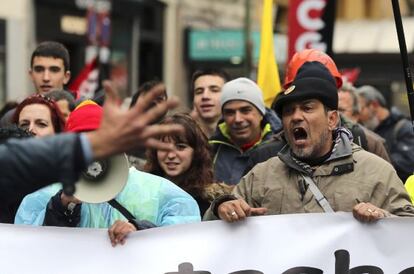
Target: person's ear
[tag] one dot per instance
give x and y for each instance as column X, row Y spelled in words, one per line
column 333, row 119
column 67, row 77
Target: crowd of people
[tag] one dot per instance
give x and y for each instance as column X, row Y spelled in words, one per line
column 323, row 146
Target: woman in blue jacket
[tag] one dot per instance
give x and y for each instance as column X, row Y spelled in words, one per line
column 152, row 200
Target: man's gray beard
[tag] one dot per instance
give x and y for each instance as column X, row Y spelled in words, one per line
column 372, row 123
column 314, row 152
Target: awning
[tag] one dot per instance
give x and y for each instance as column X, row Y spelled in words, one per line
column 363, row 36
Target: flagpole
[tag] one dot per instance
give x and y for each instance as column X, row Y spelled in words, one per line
column 404, row 57
column 247, row 41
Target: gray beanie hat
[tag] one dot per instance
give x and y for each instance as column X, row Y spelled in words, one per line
column 243, row 89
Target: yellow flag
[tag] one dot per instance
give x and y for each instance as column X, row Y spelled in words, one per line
column 268, row 74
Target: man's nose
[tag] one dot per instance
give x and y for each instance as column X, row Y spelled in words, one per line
column 46, row 75
column 238, row 117
column 297, row 114
column 205, row 95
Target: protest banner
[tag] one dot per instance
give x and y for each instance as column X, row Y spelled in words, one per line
column 289, row 244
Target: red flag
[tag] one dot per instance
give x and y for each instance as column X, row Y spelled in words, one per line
column 350, row 74
column 86, row 83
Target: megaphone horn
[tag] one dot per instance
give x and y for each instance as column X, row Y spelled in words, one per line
column 103, row 180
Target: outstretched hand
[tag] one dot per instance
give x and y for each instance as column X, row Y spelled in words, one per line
column 237, row 210
column 121, row 131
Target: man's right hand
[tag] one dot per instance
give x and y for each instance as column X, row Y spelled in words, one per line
column 121, row 131
column 237, row 210
column 65, row 200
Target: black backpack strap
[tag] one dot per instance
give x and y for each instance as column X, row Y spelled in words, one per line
column 114, row 203
column 359, row 136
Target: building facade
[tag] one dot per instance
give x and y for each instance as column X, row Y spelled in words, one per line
column 169, row 39
column 136, row 40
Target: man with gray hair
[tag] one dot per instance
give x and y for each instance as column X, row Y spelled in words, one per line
column 391, row 125
column 349, row 108
column 245, row 128
column 348, row 104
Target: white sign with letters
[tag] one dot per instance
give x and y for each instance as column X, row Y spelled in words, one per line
column 289, row 244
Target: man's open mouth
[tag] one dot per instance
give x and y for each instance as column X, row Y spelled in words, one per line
column 300, row 133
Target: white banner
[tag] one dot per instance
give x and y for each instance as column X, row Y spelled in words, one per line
column 290, row 244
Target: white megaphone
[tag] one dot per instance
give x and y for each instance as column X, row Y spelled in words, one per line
column 103, row 180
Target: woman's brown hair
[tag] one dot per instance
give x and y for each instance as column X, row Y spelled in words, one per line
column 200, row 173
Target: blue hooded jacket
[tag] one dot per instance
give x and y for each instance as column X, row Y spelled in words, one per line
column 146, row 196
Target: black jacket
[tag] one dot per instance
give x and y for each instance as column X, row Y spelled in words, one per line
column 398, row 133
column 229, row 160
column 30, row 164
